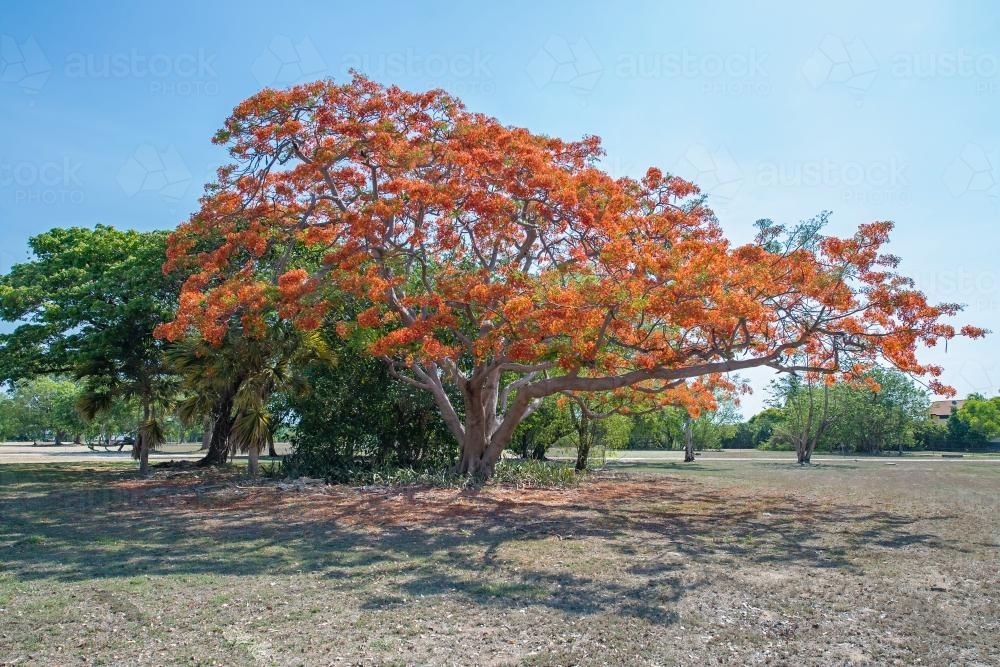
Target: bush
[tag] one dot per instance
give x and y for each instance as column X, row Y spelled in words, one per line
column 516, row 473
column 357, row 421
column 534, row 474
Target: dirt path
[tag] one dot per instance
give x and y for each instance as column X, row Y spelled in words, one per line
column 20, row 452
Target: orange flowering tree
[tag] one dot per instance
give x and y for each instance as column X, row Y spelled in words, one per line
column 508, row 265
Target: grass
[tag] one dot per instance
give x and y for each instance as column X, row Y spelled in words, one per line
column 716, row 562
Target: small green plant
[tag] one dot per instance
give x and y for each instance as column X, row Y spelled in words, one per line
column 534, row 474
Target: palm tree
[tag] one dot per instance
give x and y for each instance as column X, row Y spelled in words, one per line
column 234, row 381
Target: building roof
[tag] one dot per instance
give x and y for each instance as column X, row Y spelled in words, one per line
column 943, row 409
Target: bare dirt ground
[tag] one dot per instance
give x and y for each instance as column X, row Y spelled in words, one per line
column 708, row 563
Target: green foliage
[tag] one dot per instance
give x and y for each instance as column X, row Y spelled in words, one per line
column 663, row 429
column 534, row 474
column 41, row 409
column 509, row 472
column 755, row 432
column 976, row 422
column 887, row 414
column 355, row 416
column 550, row 424
column 86, row 305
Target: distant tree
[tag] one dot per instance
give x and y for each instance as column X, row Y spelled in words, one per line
column 660, row 429
column 44, row 407
column 981, row 416
column 881, row 412
column 549, row 424
column 805, row 405
column 756, row 430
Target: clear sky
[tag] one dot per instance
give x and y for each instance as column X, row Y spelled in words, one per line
column 874, row 110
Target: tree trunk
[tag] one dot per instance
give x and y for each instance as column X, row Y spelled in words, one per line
column 476, row 460
column 803, row 452
column 271, row 451
column 59, row 437
column 585, row 437
column 206, row 434
column 218, row 448
column 538, row 453
column 142, row 441
column 689, row 441
column 253, row 466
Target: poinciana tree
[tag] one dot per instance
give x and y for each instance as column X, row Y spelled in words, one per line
column 507, row 264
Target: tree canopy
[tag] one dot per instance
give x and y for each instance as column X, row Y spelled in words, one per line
column 507, row 264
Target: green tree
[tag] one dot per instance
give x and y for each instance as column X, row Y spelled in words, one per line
column 44, row 408
column 982, row 415
column 356, row 415
column 86, row 305
column 234, row 382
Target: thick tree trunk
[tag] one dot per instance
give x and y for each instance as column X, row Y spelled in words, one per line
column 476, row 459
column 271, row 451
column 803, row 454
column 218, row 448
column 688, row 441
column 206, row 434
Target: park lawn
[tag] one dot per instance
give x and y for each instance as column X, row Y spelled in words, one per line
column 706, row 563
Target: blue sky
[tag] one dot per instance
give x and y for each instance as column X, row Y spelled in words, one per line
column 781, row 110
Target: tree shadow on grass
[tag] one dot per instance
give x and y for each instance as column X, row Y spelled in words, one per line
column 616, row 547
